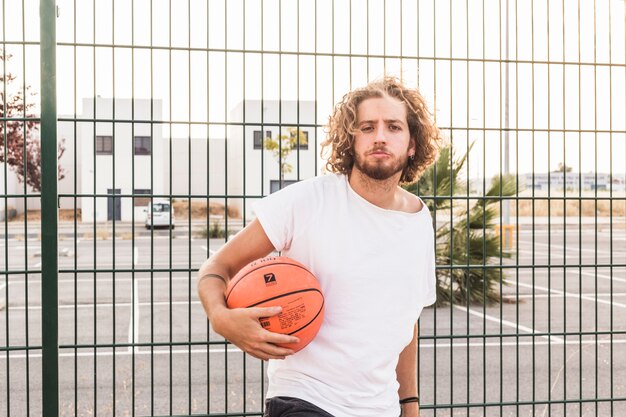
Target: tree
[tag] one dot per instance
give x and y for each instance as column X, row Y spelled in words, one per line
column 563, row 168
column 470, row 239
column 22, row 150
column 282, row 145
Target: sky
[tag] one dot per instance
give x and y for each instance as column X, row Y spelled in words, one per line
column 567, row 67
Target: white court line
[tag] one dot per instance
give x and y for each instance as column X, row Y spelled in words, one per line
column 516, row 326
column 605, row 255
column 133, row 326
column 37, row 281
column 570, row 231
column 212, row 252
column 3, row 285
column 610, row 278
column 135, row 304
column 522, row 343
column 606, row 294
column 136, row 316
column 571, row 248
column 441, row 345
column 571, row 268
column 68, row 268
column 569, row 294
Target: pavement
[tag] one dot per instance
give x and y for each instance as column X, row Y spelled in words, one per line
column 66, row 230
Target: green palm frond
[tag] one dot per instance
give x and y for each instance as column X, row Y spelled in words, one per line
column 441, row 179
column 468, row 237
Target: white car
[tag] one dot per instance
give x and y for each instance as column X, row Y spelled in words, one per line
column 159, row 213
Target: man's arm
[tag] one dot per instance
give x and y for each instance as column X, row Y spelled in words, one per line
column 240, row 325
column 406, row 372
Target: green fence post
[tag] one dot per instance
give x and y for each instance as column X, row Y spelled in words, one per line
column 49, row 220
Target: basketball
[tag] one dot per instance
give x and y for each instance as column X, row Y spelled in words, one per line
column 280, row 281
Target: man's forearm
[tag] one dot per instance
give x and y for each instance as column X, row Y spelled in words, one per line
column 211, row 284
column 249, row 244
column 406, row 372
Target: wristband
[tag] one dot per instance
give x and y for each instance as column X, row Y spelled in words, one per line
column 409, row 400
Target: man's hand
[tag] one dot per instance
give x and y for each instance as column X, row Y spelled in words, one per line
column 242, row 328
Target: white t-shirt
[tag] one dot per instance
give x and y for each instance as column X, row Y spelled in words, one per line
column 376, row 268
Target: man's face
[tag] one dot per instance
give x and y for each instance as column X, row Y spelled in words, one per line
column 383, row 143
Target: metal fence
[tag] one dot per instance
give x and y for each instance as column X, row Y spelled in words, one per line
column 165, row 113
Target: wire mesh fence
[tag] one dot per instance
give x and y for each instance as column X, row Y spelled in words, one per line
column 170, row 118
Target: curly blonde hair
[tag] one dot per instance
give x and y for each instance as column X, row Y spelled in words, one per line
column 342, row 128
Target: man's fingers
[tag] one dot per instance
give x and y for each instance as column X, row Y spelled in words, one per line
column 257, row 341
column 278, row 338
column 268, row 336
column 267, row 351
column 265, row 357
column 259, row 312
column 268, row 344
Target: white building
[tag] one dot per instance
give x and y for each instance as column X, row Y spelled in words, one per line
column 125, row 152
column 588, row 181
column 237, row 169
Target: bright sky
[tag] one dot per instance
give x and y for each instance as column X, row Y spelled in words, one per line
column 465, row 84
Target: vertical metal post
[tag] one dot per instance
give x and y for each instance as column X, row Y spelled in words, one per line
column 49, row 220
column 506, row 204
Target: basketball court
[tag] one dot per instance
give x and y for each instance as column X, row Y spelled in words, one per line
column 562, row 314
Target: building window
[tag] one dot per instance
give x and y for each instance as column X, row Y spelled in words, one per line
column 275, row 184
column 143, row 145
column 303, row 143
column 104, row 145
column 258, row 140
column 141, row 201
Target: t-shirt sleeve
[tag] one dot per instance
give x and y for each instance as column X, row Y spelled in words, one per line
column 281, row 213
column 431, row 279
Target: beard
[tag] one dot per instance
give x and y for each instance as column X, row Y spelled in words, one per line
column 381, row 170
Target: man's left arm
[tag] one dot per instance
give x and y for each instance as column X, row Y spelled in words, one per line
column 406, row 372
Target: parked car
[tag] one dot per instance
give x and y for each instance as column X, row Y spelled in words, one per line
column 159, row 213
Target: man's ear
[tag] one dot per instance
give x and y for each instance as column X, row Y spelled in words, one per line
column 412, row 147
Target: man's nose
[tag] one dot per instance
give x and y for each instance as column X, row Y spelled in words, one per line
column 380, row 134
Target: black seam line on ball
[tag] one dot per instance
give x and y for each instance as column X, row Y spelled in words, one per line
column 262, row 266
column 295, row 292
column 284, row 295
column 312, row 320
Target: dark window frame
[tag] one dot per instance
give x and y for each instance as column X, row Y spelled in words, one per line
column 143, row 149
column 104, row 145
column 275, row 185
column 257, row 139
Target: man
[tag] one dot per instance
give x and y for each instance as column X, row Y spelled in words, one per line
column 369, row 243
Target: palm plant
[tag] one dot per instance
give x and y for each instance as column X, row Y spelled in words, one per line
column 465, row 233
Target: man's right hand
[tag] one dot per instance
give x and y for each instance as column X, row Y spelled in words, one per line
column 242, row 328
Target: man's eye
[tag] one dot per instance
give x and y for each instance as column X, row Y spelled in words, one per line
column 395, row 127
column 366, row 129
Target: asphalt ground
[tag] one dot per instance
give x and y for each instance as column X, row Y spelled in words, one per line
column 134, row 337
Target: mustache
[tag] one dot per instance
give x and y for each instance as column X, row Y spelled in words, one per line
column 379, row 149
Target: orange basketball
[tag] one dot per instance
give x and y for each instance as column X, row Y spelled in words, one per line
column 280, row 281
